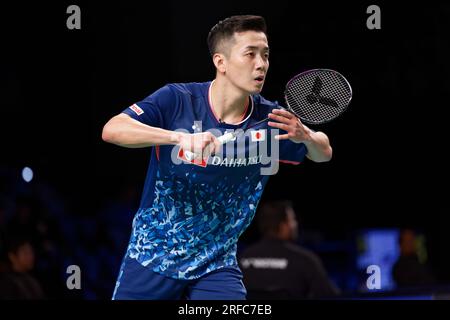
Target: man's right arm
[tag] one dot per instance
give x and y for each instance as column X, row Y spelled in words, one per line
column 125, row 131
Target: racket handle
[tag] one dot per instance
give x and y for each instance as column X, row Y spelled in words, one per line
column 227, row 137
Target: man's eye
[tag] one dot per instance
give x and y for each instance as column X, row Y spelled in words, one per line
column 250, row 54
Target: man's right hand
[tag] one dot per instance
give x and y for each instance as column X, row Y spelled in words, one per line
column 202, row 145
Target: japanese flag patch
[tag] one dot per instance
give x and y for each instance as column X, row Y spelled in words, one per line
column 258, row 135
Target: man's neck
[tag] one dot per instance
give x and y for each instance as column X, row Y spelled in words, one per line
column 18, row 268
column 228, row 103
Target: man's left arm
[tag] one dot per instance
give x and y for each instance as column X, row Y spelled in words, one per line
column 317, row 143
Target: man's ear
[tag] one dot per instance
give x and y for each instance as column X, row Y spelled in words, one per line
column 220, row 62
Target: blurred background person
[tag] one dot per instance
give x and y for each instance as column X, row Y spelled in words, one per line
column 276, row 267
column 17, row 281
column 409, row 270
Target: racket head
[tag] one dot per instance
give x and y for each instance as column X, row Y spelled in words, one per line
column 318, row 96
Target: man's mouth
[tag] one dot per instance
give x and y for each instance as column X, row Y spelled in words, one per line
column 259, row 79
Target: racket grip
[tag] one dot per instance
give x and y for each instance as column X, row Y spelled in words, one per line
column 227, row 137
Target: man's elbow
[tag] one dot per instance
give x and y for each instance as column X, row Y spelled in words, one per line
column 108, row 133
column 328, row 154
column 323, row 156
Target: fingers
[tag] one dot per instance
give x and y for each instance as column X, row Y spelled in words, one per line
column 280, row 118
column 217, row 145
column 283, row 113
column 278, row 125
column 285, row 117
column 204, row 144
column 207, row 151
column 213, row 144
column 282, row 136
column 296, row 131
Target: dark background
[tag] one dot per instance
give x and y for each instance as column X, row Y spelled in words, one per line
column 60, row 86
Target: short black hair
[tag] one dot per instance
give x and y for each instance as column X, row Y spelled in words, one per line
column 225, row 29
column 271, row 214
column 14, row 242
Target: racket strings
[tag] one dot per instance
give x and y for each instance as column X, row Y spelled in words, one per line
column 318, row 96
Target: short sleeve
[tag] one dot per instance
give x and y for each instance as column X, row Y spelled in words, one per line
column 291, row 152
column 156, row 110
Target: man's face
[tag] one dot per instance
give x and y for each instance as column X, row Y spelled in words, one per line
column 247, row 61
column 23, row 259
column 292, row 223
column 408, row 243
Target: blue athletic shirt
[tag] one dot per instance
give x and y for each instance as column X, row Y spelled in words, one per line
column 190, row 217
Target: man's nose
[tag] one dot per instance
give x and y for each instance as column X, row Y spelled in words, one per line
column 260, row 63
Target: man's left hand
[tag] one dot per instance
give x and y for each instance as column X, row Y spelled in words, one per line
column 296, row 131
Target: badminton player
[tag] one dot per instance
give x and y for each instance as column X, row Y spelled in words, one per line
column 184, row 234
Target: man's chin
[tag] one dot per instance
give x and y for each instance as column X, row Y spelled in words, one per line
column 256, row 90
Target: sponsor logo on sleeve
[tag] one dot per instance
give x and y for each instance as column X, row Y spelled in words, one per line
column 136, row 109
